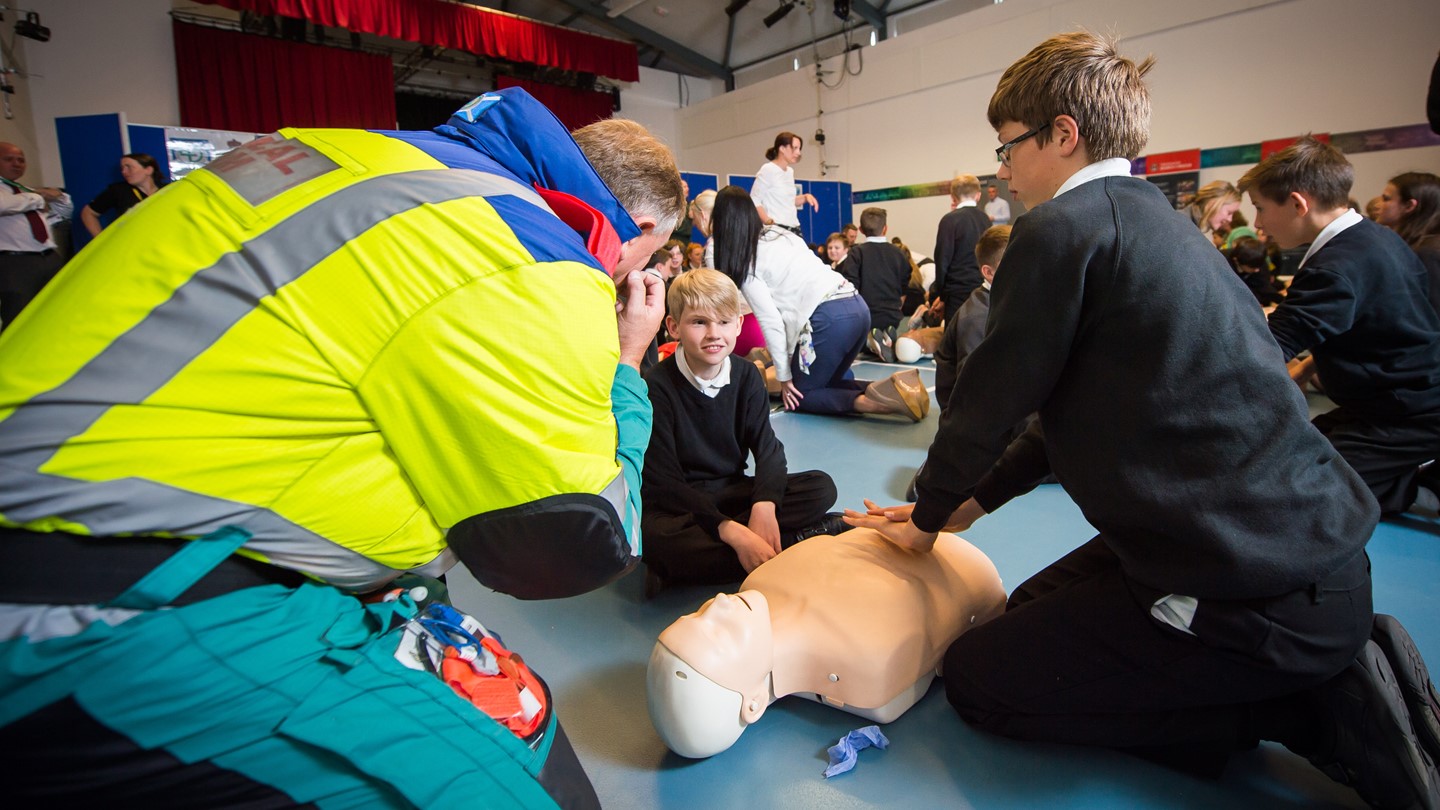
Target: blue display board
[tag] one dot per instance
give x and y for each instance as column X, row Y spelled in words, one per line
column 698, row 182
column 90, row 150
column 834, row 201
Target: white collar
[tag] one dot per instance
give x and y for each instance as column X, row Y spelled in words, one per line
column 965, row 204
column 1110, row 167
column 985, row 284
column 709, row 387
column 1336, row 225
column 876, row 239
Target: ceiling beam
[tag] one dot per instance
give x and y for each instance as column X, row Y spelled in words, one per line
column 871, row 15
column 674, row 50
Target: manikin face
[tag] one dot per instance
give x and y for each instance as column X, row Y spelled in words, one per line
column 1392, row 207
column 836, row 250
column 707, row 338
column 133, row 172
column 1280, row 220
column 728, row 640
column 1221, row 218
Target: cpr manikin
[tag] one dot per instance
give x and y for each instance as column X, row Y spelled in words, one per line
column 851, row 621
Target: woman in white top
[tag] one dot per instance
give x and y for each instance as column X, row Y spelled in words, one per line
column 774, row 192
column 813, row 320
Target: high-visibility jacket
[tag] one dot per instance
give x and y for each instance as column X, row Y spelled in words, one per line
column 371, row 350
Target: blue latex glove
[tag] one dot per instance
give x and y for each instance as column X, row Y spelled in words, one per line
column 845, row 753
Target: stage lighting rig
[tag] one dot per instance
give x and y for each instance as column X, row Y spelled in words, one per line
column 786, row 6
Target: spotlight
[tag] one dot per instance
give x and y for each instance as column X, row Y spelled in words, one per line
column 30, row 28
column 842, row 9
column 778, row 14
column 735, row 6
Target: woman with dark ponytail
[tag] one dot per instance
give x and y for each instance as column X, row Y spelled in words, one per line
column 776, row 196
column 814, row 321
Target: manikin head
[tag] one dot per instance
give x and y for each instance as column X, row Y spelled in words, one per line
column 709, row 674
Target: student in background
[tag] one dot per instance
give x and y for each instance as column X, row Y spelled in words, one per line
column 1358, row 304
column 706, row 521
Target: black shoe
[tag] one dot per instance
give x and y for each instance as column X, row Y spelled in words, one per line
column 1374, row 747
column 1420, row 697
column 833, row 523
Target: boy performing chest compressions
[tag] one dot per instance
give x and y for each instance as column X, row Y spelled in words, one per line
column 707, row 521
column 1226, row 598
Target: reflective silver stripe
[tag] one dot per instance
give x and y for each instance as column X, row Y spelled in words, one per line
column 150, row 354
column 617, row 492
column 43, row 622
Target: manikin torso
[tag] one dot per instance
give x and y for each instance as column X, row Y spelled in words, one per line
column 857, row 621
column 851, row 621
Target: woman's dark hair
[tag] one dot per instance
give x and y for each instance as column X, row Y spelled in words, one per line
column 1248, row 252
column 149, row 163
column 735, row 226
column 783, row 139
column 1424, row 221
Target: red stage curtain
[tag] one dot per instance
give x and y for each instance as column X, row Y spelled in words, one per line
column 575, row 108
column 257, row 84
column 464, row 28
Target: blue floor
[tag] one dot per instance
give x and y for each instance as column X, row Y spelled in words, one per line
column 593, row 650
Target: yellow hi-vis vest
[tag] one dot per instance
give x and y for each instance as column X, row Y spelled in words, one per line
column 330, row 339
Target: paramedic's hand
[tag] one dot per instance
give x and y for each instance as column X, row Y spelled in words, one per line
column 639, row 310
column 763, row 523
column 750, row 548
column 791, row 395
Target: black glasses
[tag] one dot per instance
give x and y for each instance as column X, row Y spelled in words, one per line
column 1002, row 152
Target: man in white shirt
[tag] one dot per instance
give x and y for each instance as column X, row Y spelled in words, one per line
column 998, row 208
column 28, row 258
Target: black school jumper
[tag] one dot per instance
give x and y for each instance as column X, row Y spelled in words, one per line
column 1169, row 418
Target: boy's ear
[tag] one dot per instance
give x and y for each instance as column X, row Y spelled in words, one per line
column 1299, row 202
column 672, row 326
column 988, row 272
column 1065, row 132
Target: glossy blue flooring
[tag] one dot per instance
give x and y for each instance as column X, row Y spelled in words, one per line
column 593, row 649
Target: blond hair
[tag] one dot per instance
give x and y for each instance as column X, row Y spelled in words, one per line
column 703, row 288
column 637, row 168
column 1208, row 200
column 991, row 244
column 964, row 185
column 1081, row 75
column 1309, row 166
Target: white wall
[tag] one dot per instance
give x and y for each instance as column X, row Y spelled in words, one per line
column 656, row 99
column 1228, row 72
column 103, row 56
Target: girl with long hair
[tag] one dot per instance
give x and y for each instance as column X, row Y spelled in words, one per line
column 813, row 320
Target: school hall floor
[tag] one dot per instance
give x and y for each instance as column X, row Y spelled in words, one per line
column 593, row 649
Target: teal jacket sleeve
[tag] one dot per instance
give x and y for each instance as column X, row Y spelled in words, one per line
column 630, row 403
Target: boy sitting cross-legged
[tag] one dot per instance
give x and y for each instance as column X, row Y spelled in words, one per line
column 705, row 520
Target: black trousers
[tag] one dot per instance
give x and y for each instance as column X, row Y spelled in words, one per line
column 680, row 551
column 1386, row 452
column 1077, row 658
column 22, row 277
